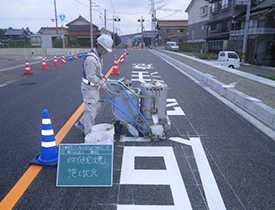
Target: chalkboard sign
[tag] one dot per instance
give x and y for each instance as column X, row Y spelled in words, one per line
column 85, row 165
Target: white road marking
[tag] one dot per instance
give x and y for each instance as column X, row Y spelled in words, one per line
column 212, row 192
column 171, row 176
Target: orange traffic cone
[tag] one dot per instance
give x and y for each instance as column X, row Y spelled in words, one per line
column 63, row 59
column 115, row 67
column 55, row 63
column 122, row 58
column 75, row 56
column 28, row 70
column 44, row 65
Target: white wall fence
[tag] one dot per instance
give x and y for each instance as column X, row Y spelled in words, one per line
column 39, row 51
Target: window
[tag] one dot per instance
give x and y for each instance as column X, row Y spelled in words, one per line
column 253, row 23
column 224, row 4
column 214, row 8
column 180, row 30
column 214, row 27
column 167, row 30
column 203, row 11
column 225, row 27
column 232, row 55
column 215, row 46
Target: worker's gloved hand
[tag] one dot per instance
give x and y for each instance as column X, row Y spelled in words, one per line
column 101, row 76
column 103, row 85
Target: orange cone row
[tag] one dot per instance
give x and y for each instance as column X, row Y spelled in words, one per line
column 44, row 65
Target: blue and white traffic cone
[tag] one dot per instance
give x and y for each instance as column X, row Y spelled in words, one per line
column 84, row 53
column 49, row 150
column 71, row 58
column 80, row 54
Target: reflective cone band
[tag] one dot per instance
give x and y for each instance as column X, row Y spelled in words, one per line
column 28, row 70
column 63, row 59
column 115, row 67
column 125, row 54
column 49, row 150
column 75, row 56
column 71, row 58
column 44, row 65
column 122, row 58
column 55, row 63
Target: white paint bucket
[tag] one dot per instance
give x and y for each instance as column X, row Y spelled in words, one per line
column 101, row 134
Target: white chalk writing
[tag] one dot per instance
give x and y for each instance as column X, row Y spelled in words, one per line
column 87, row 160
column 85, row 173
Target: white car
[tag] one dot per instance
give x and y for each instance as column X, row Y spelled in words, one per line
column 229, row 59
column 172, row 46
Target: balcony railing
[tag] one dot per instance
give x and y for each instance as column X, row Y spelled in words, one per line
column 241, row 2
column 253, row 31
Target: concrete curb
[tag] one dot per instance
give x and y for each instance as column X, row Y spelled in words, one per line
column 253, row 105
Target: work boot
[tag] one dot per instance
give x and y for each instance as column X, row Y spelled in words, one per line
column 79, row 126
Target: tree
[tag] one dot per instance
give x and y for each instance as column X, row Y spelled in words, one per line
column 117, row 40
column 2, row 32
column 28, row 31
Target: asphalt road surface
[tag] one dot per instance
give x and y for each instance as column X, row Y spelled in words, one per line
column 210, row 159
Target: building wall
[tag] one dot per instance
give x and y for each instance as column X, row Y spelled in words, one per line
column 257, row 49
column 166, row 32
column 197, row 32
column 198, row 15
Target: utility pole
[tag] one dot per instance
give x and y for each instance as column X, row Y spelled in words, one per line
column 56, row 24
column 141, row 20
column 114, row 28
column 153, row 21
column 153, row 13
column 105, row 21
column 246, row 30
column 91, row 25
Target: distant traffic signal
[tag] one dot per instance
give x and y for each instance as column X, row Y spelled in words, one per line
column 140, row 20
column 117, row 19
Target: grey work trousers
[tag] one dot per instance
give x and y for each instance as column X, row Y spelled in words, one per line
column 90, row 96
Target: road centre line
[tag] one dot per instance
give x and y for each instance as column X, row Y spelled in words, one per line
column 24, row 182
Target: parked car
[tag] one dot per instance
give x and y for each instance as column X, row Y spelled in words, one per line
column 229, row 59
column 172, row 46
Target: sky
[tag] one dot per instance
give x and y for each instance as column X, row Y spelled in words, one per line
column 41, row 13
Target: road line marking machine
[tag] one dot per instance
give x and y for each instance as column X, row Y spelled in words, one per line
column 142, row 110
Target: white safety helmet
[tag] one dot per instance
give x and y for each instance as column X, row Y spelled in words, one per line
column 106, row 42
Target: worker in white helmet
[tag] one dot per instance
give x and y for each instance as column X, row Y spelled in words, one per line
column 91, row 81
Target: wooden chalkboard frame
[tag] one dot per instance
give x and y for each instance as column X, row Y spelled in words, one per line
column 85, row 165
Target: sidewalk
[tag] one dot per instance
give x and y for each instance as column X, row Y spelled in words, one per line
column 253, row 93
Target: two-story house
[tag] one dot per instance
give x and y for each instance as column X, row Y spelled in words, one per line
column 261, row 34
column 198, row 15
column 80, row 31
column 172, row 30
column 221, row 22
